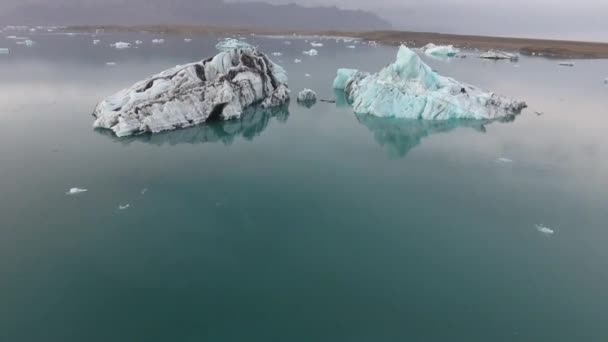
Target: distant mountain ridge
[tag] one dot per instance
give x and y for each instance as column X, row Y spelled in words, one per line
column 189, row 12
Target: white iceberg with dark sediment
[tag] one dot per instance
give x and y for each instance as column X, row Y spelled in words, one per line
column 218, row 88
column 440, row 50
column 495, row 54
column 408, row 88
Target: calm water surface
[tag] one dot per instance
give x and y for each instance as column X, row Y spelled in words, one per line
column 299, row 224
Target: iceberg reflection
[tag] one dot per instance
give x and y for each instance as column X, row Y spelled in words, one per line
column 250, row 125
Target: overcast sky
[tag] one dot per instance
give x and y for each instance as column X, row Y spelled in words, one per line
column 563, row 19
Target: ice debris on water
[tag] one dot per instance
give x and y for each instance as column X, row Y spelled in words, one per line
column 351, row 47
column 158, row 41
column 277, row 54
column 496, row 54
column 287, row 42
column 307, row 97
column 187, row 40
column 544, row 229
column 315, row 44
column 111, row 63
column 143, row 191
column 138, row 42
column 440, row 50
column 503, row 160
column 96, row 41
column 4, row 51
column 123, row 207
column 311, row 52
column 121, row 45
column 408, row 88
column 297, row 61
column 230, row 44
column 76, row 191
column 218, row 88
column 307, row 75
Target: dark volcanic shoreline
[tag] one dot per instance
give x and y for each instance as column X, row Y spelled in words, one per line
column 525, row 46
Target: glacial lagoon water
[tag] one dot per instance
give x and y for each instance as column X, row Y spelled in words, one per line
column 299, row 224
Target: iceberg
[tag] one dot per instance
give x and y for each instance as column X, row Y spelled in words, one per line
column 231, row 44
column 307, row 97
column 158, row 41
column 218, row 88
column 315, row 44
column 4, row 51
column 311, row 52
column 544, row 229
column 408, row 88
column 76, row 191
column 440, row 50
column 121, row 45
column 138, row 42
column 495, row 54
column 187, row 40
column 296, row 61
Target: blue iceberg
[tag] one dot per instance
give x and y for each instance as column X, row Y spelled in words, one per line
column 408, row 88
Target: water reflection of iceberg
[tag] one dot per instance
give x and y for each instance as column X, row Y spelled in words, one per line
column 399, row 136
column 251, row 124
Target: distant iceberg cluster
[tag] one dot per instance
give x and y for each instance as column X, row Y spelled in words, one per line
column 408, row 88
column 218, row 88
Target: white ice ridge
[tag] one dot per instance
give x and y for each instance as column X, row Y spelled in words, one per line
column 408, row 88
column 495, row 54
column 440, row 50
column 216, row 88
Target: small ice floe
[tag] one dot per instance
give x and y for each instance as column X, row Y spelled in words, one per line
column 16, row 38
column 123, row 207
column 121, row 45
column 287, row 42
column 544, row 229
column 503, row 160
column 4, row 51
column 496, row 55
column 568, row 64
column 311, row 52
column 307, row 97
column 300, row 61
column 111, row 63
column 351, row 47
column 158, row 41
column 96, row 41
column 277, row 54
column 76, row 191
column 187, row 40
column 307, row 75
column 138, row 42
column 143, row 191
column 440, row 50
column 315, row 44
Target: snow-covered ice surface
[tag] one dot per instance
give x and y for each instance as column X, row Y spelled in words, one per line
column 408, row 88
column 308, row 97
column 76, row 191
column 496, row 54
column 218, row 88
column 440, row 50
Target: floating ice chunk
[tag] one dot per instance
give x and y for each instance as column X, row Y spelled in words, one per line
column 495, row 54
column 123, row 207
column 143, row 191
column 121, row 45
column 351, row 47
column 287, row 42
column 158, row 41
column 16, row 38
column 311, row 52
column 544, row 229
column 307, row 75
column 96, row 41
column 76, row 191
column 217, row 88
column 187, row 40
column 315, row 44
column 4, row 51
column 138, row 42
column 307, row 97
column 300, row 61
column 568, row 64
column 231, row 44
column 111, row 63
column 440, row 50
column 277, row 54
column 408, row 88
column 504, row 160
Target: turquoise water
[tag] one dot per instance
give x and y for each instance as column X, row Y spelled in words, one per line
column 299, row 224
